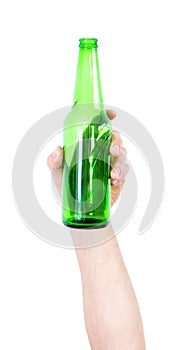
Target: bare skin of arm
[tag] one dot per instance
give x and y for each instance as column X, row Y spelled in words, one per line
column 111, row 311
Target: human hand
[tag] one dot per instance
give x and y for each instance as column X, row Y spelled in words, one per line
column 119, row 167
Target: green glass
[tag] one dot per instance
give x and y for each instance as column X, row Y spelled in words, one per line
column 86, row 138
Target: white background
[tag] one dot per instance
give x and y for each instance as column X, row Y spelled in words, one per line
column 40, row 290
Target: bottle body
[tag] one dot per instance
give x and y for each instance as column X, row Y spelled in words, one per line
column 86, row 165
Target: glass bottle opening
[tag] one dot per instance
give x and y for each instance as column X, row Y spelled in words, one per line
column 88, row 43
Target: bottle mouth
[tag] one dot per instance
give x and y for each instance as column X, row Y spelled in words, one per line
column 88, row 43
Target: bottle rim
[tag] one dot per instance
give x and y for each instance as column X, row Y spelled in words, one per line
column 88, row 43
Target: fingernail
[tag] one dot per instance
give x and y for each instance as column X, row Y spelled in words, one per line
column 115, row 182
column 54, row 154
column 115, row 173
column 115, row 149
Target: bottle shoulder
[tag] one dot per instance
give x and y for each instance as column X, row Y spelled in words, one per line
column 87, row 113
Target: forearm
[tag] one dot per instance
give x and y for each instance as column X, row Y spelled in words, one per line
column 111, row 311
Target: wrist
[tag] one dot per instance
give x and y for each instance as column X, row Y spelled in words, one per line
column 86, row 239
column 94, row 247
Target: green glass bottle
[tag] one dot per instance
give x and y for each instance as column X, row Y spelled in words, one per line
column 86, row 138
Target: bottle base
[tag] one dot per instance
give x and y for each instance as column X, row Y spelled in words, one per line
column 86, row 223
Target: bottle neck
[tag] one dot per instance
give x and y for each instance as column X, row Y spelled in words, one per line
column 88, row 84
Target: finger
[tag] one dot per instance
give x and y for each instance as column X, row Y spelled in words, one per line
column 54, row 160
column 121, row 159
column 117, row 184
column 123, row 152
column 116, row 144
column 115, row 174
column 119, row 172
column 111, row 114
column 125, row 169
